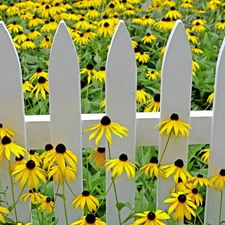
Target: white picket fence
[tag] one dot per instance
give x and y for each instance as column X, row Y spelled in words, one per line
column 65, row 122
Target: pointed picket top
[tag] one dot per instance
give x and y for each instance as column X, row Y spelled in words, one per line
column 65, row 108
column 121, row 108
column 175, row 98
column 217, row 153
column 12, row 110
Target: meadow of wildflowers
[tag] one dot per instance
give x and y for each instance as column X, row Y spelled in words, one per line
column 91, row 24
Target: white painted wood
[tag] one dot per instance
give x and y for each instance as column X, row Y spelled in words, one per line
column 39, row 126
column 217, row 153
column 65, row 109
column 12, row 111
column 175, row 95
column 121, row 108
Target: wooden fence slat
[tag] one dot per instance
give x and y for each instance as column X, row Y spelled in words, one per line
column 175, row 98
column 12, row 110
column 121, row 108
column 65, row 109
column 217, row 152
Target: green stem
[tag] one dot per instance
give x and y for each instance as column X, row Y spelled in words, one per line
column 114, row 187
column 86, row 99
column 64, row 203
column 150, row 184
column 87, row 169
column 13, row 193
column 221, row 206
column 70, row 189
column 164, row 150
column 38, row 214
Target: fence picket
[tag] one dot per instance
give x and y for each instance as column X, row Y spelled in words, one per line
column 65, row 109
column 12, row 111
column 217, row 153
column 121, row 108
column 175, row 98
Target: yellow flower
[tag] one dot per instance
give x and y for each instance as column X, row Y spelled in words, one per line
column 85, row 199
column 141, row 95
column 149, row 38
column 81, row 39
column 27, row 44
column 46, row 204
column 18, row 161
column 29, row 172
column 210, row 98
column 4, row 131
column 39, row 73
column 178, row 170
column 61, row 156
column 153, row 104
column 219, row 180
column 46, row 42
column 26, row 86
column 196, row 50
column 89, row 219
column 20, row 37
column 98, row 156
column 151, row 218
column 33, row 155
column 181, row 205
column 173, row 14
column 106, row 126
column 197, row 27
column 152, row 168
column 119, row 165
column 105, row 30
column 44, row 156
column 14, row 27
column 7, row 147
column 220, row 25
column 152, row 75
column 3, row 210
column 34, row 196
column 199, row 179
column 174, row 125
column 142, row 57
column 206, row 154
column 192, row 38
column 90, row 71
column 147, row 21
column 41, row 86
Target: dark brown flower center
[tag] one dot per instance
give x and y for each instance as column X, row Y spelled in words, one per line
column 38, row 70
column 179, row 163
column 41, row 80
column 86, row 193
column 200, row 175
column 151, row 216
column 123, row 157
column 89, row 67
column 174, row 116
column 154, row 160
column 106, row 24
column 194, row 191
column 182, row 198
column 222, row 172
column 30, row 164
column 157, row 98
column 105, row 121
column 48, row 200
column 101, row 150
column 1, row 126
column 20, row 158
column 6, row 140
column 48, row 147
column 90, row 218
column 60, row 148
column 31, row 152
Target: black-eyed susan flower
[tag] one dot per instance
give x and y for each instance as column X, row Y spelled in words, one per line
column 40, row 87
column 192, row 192
column 33, row 155
column 119, row 165
column 35, row 21
column 29, row 172
column 85, row 199
column 59, row 177
column 92, row 13
column 152, row 168
column 46, row 205
column 89, row 34
column 14, row 27
column 178, row 170
column 39, row 73
column 153, row 105
column 98, row 157
column 28, row 44
column 3, row 7
column 89, row 70
column 20, row 37
column 61, row 156
column 3, row 210
column 219, row 180
column 152, row 75
column 181, row 205
column 44, row 155
column 18, row 161
column 180, row 186
column 195, row 67
column 134, row 44
column 12, row 10
column 169, row 3
column 26, row 86
column 196, row 50
column 33, row 34
column 89, row 219
column 205, row 154
column 165, row 24
column 141, row 95
column 82, row 23
column 220, row 25
column 108, row 127
column 151, row 218
column 7, row 147
column 210, row 98
column 149, row 38
column 142, row 57
column 197, row 27
column 192, row 38
column 4, row 131
column 80, row 39
column 46, row 42
column 173, row 14
column 33, row 195
column 198, row 20
column 186, row 5
column 174, row 125
column 105, row 30
column 199, row 179
column 137, row 20
column 147, row 20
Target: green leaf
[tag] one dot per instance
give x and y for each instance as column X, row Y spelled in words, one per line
column 61, row 196
column 120, row 205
